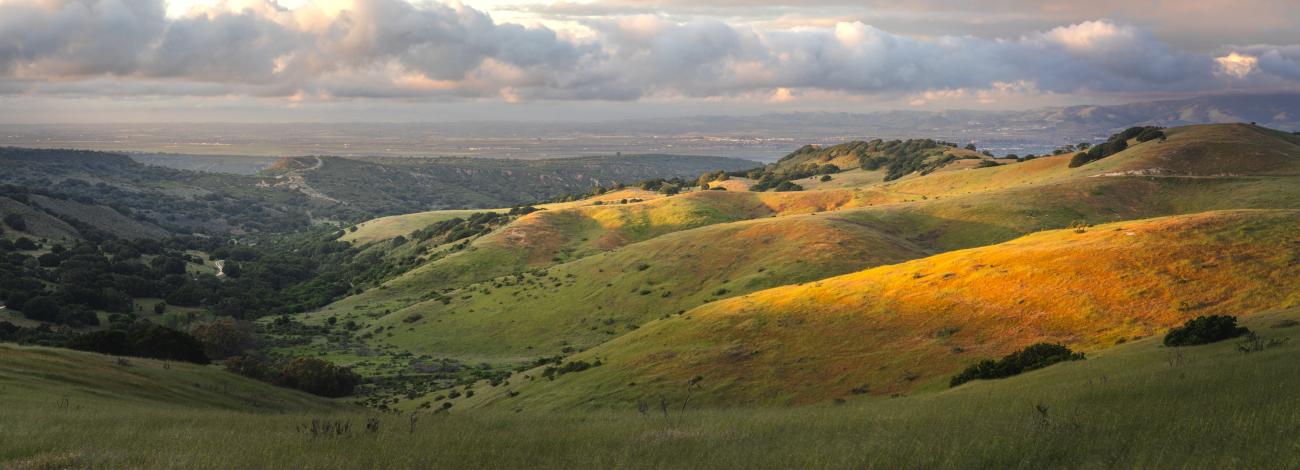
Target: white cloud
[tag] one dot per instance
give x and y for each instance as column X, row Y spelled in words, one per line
column 357, row 49
column 1237, row 65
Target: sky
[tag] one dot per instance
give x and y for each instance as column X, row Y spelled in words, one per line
column 397, row 60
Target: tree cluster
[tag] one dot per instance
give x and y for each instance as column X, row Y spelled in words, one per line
column 309, row 374
column 142, row 340
column 1115, row 144
column 1036, row 356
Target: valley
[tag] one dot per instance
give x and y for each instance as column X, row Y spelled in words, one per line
column 652, row 311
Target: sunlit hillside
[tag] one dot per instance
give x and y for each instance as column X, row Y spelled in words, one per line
column 649, row 234
column 895, row 328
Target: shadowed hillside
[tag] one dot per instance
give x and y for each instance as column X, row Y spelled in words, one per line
column 404, row 185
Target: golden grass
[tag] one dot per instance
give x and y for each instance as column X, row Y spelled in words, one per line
column 585, row 302
column 385, row 228
column 1208, row 150
column 897, row 327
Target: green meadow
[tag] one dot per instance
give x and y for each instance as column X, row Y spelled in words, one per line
column 1138, row 405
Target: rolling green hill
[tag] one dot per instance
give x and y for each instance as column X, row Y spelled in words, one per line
column 587, row 301
column 729, row 328
column 404, row 185
column 1134, row 405
column 491, row 303
column 39, row 377
column 113, row 193
column 901, row 326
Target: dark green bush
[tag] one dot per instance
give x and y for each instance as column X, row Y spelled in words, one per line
column 1036, row 356
column 165, row 343
column 318, row 377
column 104, row 342
column 552, row 372
column 1205, row 330
column 150, row 341
column 787, row 186
column 247, row 366
column 16, row 222
column 1152, row 133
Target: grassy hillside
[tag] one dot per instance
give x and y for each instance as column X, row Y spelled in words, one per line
column 1212, row 150
column 854, row 154
column 385, row 228
column 572, row 231
column 958, row 209
column 585, row 302
column 813, row 328
column 98, row 216
column 896, row 327
column 40, row 224
column 41, row 377
column 568, row 278
column 1137, row 405
column 112, row 192
column 404, row 185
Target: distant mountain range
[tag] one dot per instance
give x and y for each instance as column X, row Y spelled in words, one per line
column 764, row 137
column 1036, row 129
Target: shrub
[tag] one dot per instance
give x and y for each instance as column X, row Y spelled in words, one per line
column 224, row 337
column 41, row 308
column 318, row 377
column 787, row 186
column 16, row 222
column 1036, row 356
column 552, row 372
column 249, row 367
column 165, row 343
column 1255, row 343
column 825, row 178
column 1151, row 134
column 151, row 341
column 1205, row 330
column 104, row 342
column 26, row 244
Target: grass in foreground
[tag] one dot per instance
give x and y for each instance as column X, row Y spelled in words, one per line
column 1137, row 405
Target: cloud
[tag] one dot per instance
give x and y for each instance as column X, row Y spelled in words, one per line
column 392, row 49
column 1237, row 65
